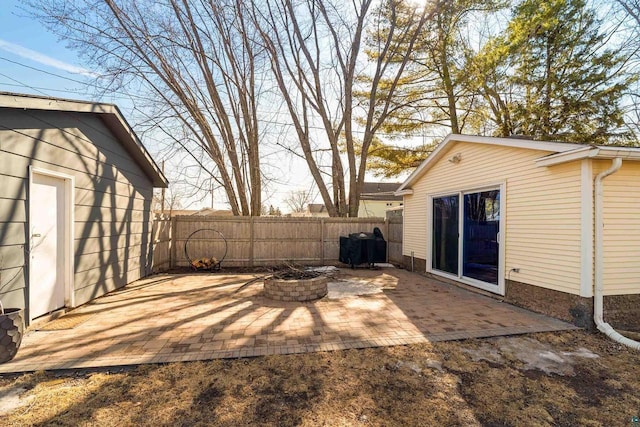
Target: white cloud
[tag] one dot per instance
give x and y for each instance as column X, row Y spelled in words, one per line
column 44, row 59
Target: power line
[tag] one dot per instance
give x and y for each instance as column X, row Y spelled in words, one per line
column 23, row 84
column 128, row 97
column 42, row 71
column 125, row 96
column 38, row 87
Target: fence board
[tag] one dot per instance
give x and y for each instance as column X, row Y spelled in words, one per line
column 256, row 241
column 394, row 240
column 161, row 241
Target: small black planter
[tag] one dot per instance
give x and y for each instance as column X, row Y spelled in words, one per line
column 11, row 330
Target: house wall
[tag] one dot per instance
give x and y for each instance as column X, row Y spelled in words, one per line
column 112, row 200
column 376, row 208
column 621, row 228
column 542, row 210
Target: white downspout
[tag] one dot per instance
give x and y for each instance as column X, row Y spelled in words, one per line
column 603, row 326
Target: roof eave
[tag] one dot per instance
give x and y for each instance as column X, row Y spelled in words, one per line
column 599, row 152
column 111, row 116
column 509, row 142
column 135, row 148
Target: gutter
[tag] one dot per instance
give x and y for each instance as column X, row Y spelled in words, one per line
column 598, row 304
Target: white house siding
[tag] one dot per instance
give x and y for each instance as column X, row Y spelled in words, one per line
column 376, row 208
column 621, row 228
column 542, row 210
column 112, row 198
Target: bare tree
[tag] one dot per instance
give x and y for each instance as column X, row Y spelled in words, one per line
column 168, row 202
column 198, row 63
column 316, row 51
column 632, row 8
column 298, row 200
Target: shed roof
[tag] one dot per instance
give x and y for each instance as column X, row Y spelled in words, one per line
column 379, row 191
column 316, row 208
column 561, row 152
column 110, row 115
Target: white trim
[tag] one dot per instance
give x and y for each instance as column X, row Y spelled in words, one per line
column 404, row 233
column 447, row 275
column 627, row 153
column 406, row 192
column 69, row 219
column 586, row 228
column 555, row 147
column 429, row 236
column 461, row 235
column 502, row 238
column 500, row 287
column 515, row 142
column 474, row 189
column 469, row 281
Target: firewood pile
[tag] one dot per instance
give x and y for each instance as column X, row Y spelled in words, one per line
column 205, row 263
column 206, row 241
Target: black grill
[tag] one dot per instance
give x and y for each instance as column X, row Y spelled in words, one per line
column 360, row 248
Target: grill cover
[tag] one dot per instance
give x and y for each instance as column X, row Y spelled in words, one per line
column 360, row 248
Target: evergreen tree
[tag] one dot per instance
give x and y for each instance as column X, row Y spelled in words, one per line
column 551, row 76
column 435, row 92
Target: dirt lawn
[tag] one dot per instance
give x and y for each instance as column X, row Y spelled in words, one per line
column 560, row 379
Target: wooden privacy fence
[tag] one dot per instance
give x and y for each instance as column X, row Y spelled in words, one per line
column 259, row 241
column 161, row 240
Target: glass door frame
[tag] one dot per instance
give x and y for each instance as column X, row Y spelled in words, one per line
column 459, row 277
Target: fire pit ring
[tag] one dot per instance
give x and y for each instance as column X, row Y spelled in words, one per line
column 295, row 289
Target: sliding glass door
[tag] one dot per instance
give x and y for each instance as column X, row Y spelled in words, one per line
column 445, row 233
column 480, row 236
column 465, row 235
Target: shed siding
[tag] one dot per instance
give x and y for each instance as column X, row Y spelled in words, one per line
column 542, row 210
column 112, row 199
column 621, row 228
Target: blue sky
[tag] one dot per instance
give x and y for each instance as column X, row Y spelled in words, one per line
column 33, row 61
column 25, row 41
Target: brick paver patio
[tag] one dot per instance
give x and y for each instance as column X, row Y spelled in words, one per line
column 170, row 318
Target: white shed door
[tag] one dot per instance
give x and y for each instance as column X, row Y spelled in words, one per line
column 46, row 283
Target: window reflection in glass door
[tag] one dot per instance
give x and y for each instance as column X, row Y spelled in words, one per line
column 445, row 234
column 480, row 236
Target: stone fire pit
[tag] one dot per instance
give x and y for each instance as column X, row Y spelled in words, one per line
column 304, row 286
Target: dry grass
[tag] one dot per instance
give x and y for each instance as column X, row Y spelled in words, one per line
column 602, row 392
column 411, row 385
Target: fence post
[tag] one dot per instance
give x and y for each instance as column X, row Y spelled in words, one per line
column 152, row 246
column 251, row 240
column 321, row 241
column 172, row 242
column 388, row 236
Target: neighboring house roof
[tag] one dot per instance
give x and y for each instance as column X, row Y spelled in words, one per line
column 383, row 191
column 200, row 212
column 561, row 152
column 176, row 212
column 110, row 115
column 213, row 212
column 316, row 208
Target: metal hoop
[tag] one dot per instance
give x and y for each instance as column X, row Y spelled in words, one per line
column 217, row 266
